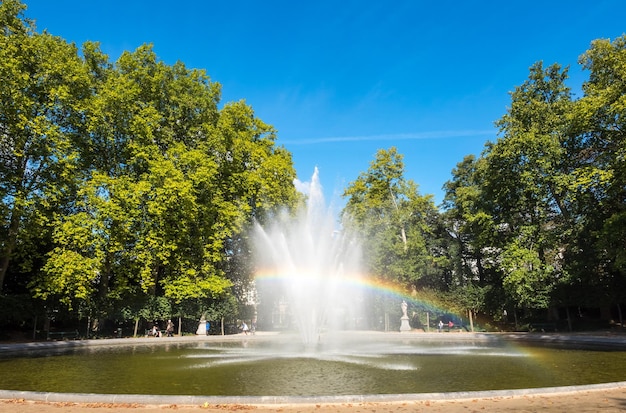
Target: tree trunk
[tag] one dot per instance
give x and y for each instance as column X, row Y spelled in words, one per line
column 10, row 244
column 471, row 319
column 480, row 268
column 402, row 230
column 136, row 327
column 569, row 319
column 605, row 313
column 103, row 288
column 35, row 328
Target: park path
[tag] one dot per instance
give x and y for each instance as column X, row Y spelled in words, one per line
column 606, row 401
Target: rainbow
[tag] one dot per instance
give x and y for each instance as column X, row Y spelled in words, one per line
column 363, row 283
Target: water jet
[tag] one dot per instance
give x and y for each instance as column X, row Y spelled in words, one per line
column 309, row 266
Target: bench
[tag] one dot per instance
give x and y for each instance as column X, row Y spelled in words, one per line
column 62, row 335
column 543, row 327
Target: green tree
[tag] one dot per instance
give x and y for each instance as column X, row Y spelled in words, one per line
column 470, row 224
column 42, row 94
column 170, row 182
column 393, row 220
column 474, row 239
column 527, row 180
column 600, row 179
column 470, row 299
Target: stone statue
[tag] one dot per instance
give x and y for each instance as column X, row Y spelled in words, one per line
column 404, row 320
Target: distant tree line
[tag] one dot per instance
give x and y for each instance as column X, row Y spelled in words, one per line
column 126, row 192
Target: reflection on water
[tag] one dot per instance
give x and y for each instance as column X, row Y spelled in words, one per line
column 261, row 367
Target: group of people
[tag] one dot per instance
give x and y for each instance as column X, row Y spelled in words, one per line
column 243, row 327
column 169, row 330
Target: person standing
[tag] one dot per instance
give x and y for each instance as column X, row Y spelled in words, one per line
column 208, row 327
column 169, row 330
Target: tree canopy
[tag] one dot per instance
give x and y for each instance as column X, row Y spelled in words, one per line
column 123, row 179
column 536, row 222
column 540, row 211
column 127, row 188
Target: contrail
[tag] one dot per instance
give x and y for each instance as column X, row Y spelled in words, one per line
column 391, row 137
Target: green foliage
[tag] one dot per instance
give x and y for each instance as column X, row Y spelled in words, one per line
column 41, row 106
column 156, row 308
column 528, row 280
column 538, row 216
column 226, row 308
column 393, row 219
column 125, row 177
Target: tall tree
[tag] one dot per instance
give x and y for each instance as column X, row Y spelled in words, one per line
column 170, row 182
column 44, row 84
column 469, row 222
column 527, row 180
column 393, row 219
column 600, row 117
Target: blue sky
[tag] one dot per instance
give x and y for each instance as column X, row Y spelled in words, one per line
column 341, row 79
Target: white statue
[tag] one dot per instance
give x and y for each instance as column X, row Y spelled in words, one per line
column 404, row 320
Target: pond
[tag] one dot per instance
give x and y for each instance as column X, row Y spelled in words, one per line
column 282, row 367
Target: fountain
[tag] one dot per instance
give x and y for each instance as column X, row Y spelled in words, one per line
column 312, row 266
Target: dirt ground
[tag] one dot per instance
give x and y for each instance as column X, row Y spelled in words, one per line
column 611, row 400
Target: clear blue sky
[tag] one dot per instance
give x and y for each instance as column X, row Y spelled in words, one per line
column 341, row 79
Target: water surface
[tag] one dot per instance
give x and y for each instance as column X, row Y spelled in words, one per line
column 274, row 368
